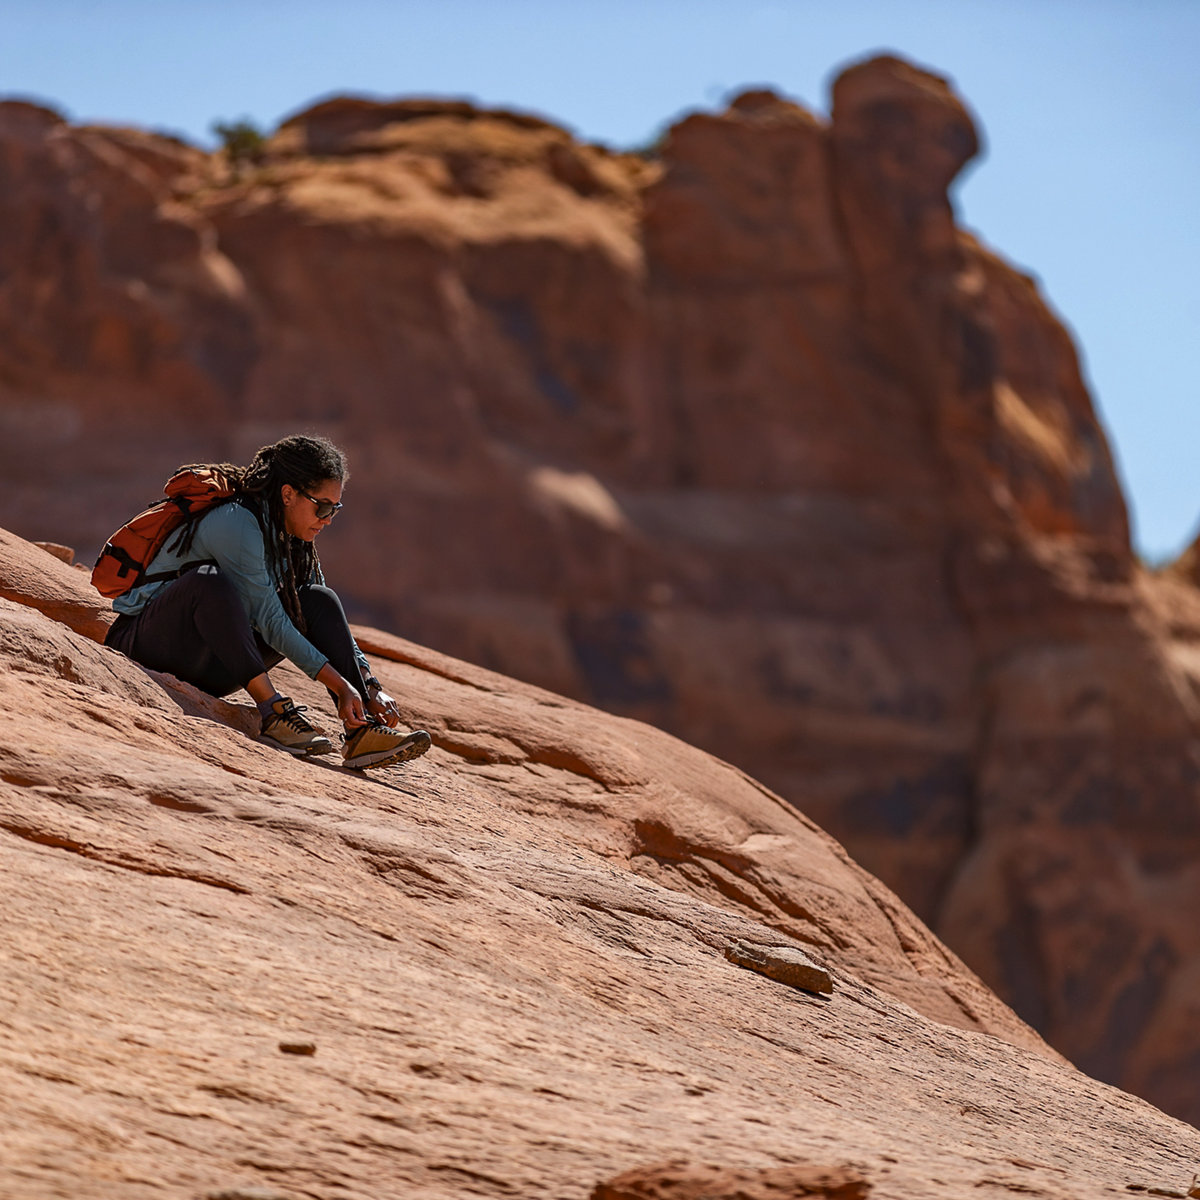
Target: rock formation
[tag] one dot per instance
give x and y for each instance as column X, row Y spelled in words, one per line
column 499, row 971
column 748, row 441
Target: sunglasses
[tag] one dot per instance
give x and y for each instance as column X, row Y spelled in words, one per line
column 325, row 508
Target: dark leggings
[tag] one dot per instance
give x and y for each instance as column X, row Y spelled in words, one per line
column 197, row 630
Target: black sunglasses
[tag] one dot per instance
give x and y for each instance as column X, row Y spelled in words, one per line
column 325, row 508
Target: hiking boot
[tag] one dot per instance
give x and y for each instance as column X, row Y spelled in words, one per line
column 288, row 730
column 377, row 745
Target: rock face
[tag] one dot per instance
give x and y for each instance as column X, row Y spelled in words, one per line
column 748, row 441
column 498, row 971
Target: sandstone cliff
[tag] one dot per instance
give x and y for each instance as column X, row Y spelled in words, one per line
column 499, row 971
column 748, row 441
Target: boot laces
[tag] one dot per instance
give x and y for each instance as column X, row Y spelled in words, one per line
column 373, row 724
column 291, row 717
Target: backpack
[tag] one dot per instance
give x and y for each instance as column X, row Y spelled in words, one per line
column 122, row 563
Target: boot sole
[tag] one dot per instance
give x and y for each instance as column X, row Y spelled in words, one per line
column 296, row 751
column 412, row 747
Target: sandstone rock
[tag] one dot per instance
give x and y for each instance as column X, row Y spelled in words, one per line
column 514, row 957
column 246, row 1194
column 685, row 1181
column 784, row 964
column 352, row 124
column 45, row 582
column 750, row 442
column 304, row 1049
column 62, row 553
column 123, row 332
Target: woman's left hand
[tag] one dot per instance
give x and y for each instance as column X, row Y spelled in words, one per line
column 381, row 705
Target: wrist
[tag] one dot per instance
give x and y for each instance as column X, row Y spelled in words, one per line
column 373, row 686
column 340, row 687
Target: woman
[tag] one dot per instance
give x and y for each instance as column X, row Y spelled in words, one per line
column 244, row 590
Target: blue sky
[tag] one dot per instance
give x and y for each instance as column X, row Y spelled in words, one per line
column 1090, row 111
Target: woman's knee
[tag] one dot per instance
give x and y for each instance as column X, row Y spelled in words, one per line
column 317, row 601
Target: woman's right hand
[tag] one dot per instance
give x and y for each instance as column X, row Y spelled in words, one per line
column 350, row 707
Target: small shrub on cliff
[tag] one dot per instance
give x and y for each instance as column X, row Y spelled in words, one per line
column 243, row 143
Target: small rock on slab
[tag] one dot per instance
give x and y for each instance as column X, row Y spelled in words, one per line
column 251, row 1193
column 306, row 1048
column 695, row 1181
column 784, row 964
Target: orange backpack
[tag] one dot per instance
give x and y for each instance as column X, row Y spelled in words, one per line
column 126, row 555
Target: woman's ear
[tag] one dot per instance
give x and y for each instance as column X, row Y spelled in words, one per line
column 287, row 494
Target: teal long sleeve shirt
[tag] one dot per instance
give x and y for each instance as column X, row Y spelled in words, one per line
column 230, row 536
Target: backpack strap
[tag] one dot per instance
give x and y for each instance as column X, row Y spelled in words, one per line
column 127, row 561
column 159, row 576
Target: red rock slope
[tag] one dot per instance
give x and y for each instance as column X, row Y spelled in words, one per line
column 749, row 441
column 496, row 972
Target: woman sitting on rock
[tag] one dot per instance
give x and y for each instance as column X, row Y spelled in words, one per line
column 243, row 590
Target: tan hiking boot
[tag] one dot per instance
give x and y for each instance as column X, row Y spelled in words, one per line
column 377, row 745
column 288, row 730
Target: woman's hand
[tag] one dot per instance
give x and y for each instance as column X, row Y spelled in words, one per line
column 350, row 707
column 381, row 705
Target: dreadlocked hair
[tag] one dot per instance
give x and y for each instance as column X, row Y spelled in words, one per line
column 304, row 463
